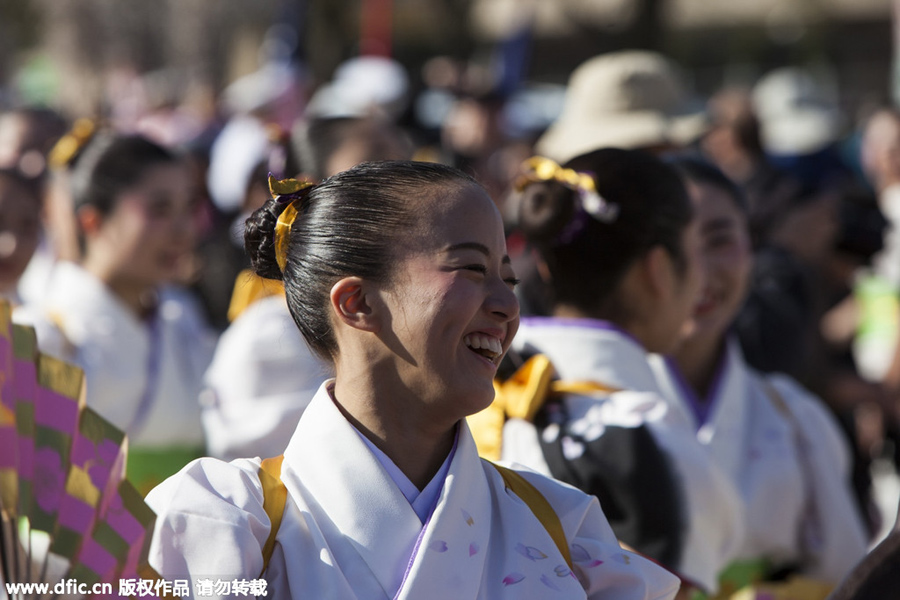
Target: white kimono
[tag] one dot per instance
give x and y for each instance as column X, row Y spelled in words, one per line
column 788, row 459
column 144, row 377
column 261, row 378
column 349, row 532
column 587, row 350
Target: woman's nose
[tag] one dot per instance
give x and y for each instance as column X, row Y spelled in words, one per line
column 503, row 302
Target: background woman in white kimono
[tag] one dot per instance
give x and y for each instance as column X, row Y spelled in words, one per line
column 777, row 442
column 397, row 273
column 615, row 232
column 142, row 343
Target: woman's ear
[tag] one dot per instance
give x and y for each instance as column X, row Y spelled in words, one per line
column 659, row 272
column 352, row 304
column 89, row 220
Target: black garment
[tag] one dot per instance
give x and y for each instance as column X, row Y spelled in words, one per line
column 222, row 259
column 630, row 475
column 777, row 325
column 877, row 576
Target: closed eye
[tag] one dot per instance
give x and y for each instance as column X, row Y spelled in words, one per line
column 478, row 268
column 512, row 281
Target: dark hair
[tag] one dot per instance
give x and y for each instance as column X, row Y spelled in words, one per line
column 112, row 164
column 348, row 225
column 697, row 170
column 33, row 186
column 587, row 258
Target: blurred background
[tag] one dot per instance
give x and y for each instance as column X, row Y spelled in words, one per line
column 112, row 57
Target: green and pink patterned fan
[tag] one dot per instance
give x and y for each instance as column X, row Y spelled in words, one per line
column 70, row 520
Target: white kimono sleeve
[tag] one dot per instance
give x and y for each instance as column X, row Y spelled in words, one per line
column 833, row 539
column 210, row 522
column 626, row 576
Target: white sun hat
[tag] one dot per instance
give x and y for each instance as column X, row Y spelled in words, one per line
column 629, row 99
column 798, row 113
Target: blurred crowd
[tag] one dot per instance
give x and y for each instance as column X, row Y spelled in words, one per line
column 121, row 234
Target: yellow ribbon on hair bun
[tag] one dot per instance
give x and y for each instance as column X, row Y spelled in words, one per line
column 539, row 168
column 68, row 146
column 285, row 189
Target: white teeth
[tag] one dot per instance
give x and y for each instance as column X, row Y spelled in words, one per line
column 480, row 341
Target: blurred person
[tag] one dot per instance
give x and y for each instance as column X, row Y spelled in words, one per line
column 615, row 231
column 20, row 226
column 27, row 138
column 780, row 446
column 263, row 374
column 325, row 146
column 733, row 140
column 880, row 158
column 800, row 124
column 734, row 143
column 629, row 99
column 220, row 253
column 141, row 342
column 363, row 86
column 796, row 230
column 395, row 272
column 793, row 306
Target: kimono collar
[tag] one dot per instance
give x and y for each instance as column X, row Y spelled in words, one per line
column 422, row 501
column 589, row 349
column 327, row 461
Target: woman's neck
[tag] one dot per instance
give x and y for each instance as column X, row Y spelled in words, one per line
column 397, row 423
column 141, row 299
column 698, row 358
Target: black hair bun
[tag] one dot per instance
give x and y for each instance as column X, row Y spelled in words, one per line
column 259, row 239
column 545, row 209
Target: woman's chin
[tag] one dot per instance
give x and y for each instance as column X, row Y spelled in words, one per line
column 478, row 400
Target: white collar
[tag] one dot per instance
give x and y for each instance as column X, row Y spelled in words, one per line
column 423, row 501
column 587, row 349
column 326, row 460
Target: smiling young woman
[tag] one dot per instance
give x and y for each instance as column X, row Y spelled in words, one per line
column 773, row 439
column 140, row 340
column 616, row 235
column 397, row 273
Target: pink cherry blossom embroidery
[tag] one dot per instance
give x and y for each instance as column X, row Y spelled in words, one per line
column 513, row 578
column 473, row 549
column 583, row 557
column 530, row 552
column 549, row 583
column 562, row 571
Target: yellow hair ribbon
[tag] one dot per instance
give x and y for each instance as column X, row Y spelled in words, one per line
column 278, row 188
column 67, row 148
column 539, row 168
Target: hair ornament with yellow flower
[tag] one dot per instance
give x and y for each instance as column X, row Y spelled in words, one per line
column 286, row 190
column 540, row 169
column 70, row 146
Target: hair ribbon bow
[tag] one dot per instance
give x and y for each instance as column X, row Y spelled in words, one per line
column 286, row 190
column 539, row 168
